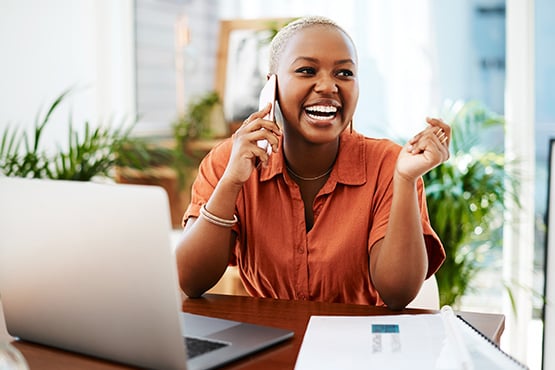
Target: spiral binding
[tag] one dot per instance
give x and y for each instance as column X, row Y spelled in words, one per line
column 493, row 343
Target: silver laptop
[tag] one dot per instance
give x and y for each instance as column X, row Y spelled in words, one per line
column 90, row 268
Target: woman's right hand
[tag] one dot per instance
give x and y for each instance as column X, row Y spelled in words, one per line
column 245, row 153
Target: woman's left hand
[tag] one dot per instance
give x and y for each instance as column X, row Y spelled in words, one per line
column 425, row 150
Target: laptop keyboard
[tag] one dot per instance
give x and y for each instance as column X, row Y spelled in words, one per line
column 197, row 346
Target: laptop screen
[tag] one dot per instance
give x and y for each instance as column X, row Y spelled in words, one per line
column 90, row 268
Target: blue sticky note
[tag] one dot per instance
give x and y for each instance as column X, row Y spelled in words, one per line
column 385, row 328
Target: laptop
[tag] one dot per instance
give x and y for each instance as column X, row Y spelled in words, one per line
column 89, row 268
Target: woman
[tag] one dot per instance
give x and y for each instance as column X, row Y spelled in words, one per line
column 328, row 215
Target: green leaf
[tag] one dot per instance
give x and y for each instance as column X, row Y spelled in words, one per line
column 86, row 156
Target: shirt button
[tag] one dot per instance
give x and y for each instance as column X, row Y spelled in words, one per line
column 300, row 250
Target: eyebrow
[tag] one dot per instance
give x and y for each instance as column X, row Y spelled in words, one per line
column 314, row 60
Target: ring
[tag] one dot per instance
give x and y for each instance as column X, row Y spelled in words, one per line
column 442, row 136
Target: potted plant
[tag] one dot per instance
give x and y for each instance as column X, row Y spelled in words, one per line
column 466, row 196
column 203, row 119
column 88, row 154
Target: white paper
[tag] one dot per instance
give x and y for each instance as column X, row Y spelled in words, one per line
column 422, row 342
column 455, row 341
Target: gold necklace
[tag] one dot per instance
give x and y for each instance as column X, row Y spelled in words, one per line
column 309, row 178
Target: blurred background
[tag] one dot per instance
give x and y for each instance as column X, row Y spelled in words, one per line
column 153, row 62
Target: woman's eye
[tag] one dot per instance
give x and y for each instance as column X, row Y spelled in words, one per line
column 306, row 70
column 345, row 73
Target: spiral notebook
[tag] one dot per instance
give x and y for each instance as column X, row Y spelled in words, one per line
column 429, row 341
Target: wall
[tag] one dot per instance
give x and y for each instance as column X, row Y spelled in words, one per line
column 50, row 46
column 176, row 42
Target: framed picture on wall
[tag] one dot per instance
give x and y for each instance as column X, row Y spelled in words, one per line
column 242, row 63
column 549, row 287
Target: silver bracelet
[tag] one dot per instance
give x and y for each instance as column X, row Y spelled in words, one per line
column 213, row 219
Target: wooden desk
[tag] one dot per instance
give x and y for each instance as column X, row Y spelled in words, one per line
column 292, row 315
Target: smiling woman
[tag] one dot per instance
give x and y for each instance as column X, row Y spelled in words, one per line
column 340, row 219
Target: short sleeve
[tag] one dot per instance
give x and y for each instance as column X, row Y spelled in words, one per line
column 210, row 171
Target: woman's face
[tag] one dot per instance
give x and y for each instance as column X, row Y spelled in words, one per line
column 317, row 83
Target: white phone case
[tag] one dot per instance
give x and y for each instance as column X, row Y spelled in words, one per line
column 268, row 95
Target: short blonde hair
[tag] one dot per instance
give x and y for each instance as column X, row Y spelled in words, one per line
column 286, row 33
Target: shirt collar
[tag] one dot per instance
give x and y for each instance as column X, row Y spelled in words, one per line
column 349, row 168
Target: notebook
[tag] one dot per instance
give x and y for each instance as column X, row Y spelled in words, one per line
column 441, row 341
column 89, row 268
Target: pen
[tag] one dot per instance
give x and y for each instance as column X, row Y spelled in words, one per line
column 454, row 336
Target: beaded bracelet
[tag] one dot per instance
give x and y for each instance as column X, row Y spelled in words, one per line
column 213, row 219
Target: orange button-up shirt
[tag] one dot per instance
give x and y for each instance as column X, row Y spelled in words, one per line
column 275, row 255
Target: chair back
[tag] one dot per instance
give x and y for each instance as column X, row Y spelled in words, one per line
column 428, row 296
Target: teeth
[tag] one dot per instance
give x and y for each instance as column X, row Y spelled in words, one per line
column 318, row 118
column 321, row 112
column 322, row 109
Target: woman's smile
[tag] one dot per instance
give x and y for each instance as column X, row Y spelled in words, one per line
column 322, row 112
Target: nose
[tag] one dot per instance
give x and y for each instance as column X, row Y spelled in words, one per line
column 326, row 84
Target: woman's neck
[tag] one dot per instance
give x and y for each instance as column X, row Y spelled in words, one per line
column 309, row 160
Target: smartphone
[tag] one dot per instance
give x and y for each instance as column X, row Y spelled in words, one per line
column 268, row 95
